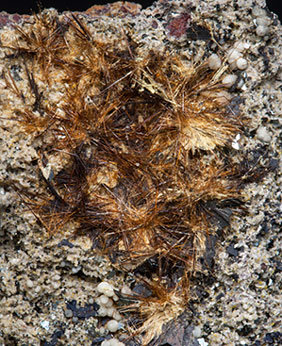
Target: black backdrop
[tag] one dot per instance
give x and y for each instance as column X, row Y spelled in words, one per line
column 28, row 6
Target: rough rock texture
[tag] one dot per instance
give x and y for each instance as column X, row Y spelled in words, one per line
column 47, row 287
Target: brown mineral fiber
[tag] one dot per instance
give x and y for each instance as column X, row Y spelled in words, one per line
column 126, row 157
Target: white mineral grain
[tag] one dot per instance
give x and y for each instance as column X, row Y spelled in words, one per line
column 265, row 21
column 242, row 46
column 229, row 80
column 263, row 134
column 258, row 12
column 103, row 312
column 202, row 342
column 106, row 343
column 45, row 325
column 241, row 63
column 104, row 299
column 214, row 62
column 117, row 316
column 241, row 84
column 109, row 303
column 29, row 283
column 76, row 269
column 262, row 30
column 110, row 312
column 233, row 56
column 126, row 290
column 106, row 289
column 112, row 326
column 235, row 144
column 115, row 298
column 112, row 342
column 102, row 330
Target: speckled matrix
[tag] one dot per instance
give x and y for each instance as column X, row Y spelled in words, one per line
column 49, row 288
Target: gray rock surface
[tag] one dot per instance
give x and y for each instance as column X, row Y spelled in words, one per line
column 42, row 277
